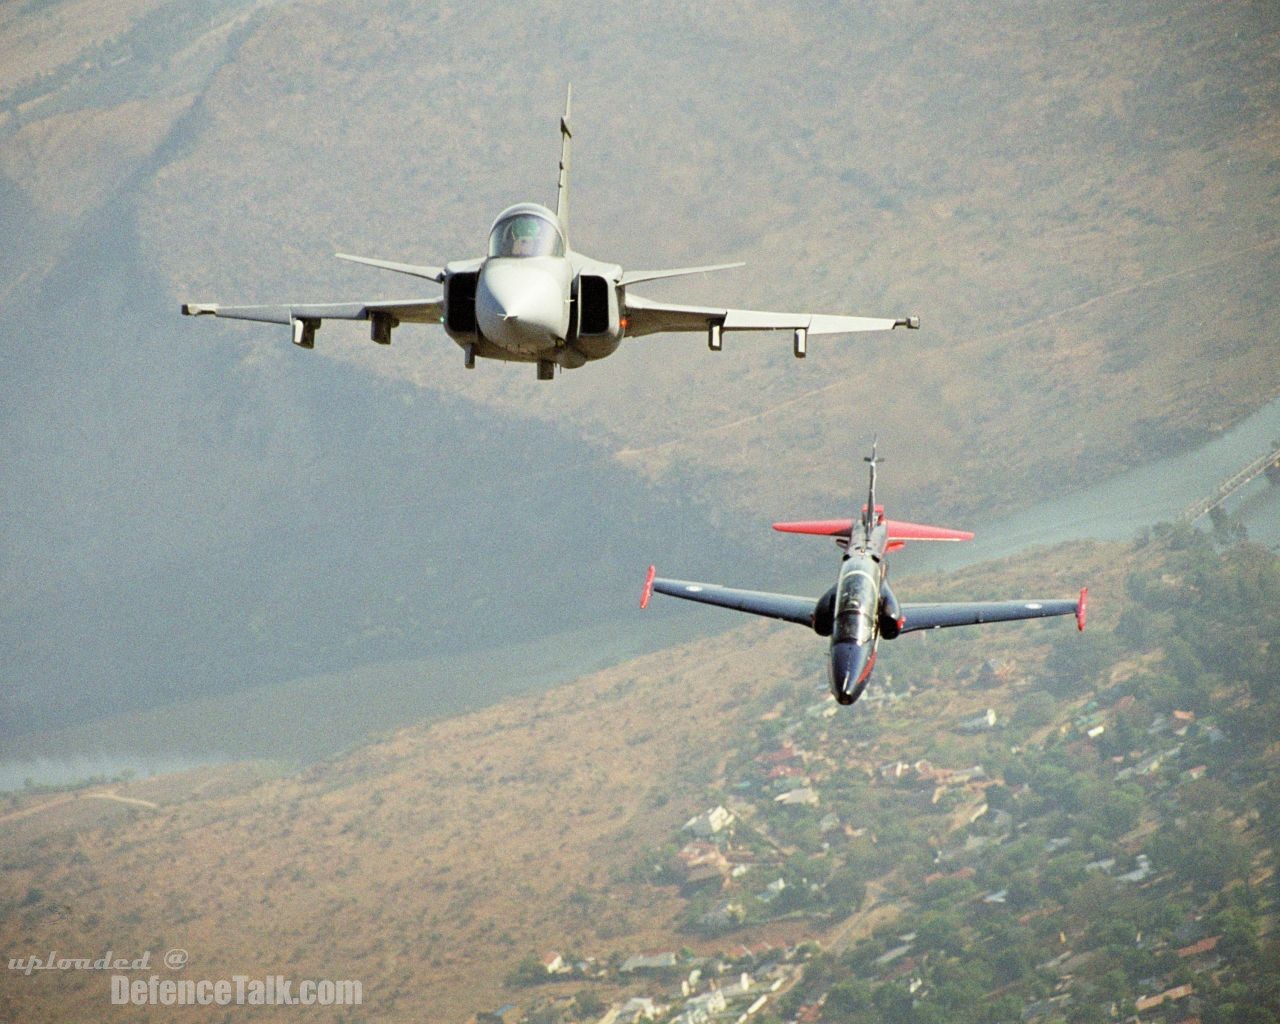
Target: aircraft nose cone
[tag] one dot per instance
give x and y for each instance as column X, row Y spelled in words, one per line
column 520, row 306
column 850, row 670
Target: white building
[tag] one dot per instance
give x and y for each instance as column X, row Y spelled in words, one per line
column 708, row 1003
column 981, row 723
column 639, row 962
column 709, row 822
column 802, row 797
column 637, row 1008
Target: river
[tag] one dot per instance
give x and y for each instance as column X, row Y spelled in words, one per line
column 1117, row 508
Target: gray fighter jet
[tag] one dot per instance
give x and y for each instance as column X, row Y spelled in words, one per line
column 532, row 299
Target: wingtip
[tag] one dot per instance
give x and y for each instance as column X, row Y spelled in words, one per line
column 186, row 310
column 648, row 586
column 1082, row 608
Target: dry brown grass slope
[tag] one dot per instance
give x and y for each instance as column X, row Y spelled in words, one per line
column 425, row 865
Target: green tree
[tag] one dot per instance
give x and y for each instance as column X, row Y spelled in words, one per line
column 850, row 999
column 893, row 1004
column 528, row 971
column 588, row 1004
column 942, row 931
column 1074, row 663
column 1239, row 942
column 548, row 1013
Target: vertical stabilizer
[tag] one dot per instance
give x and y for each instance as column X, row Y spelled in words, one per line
column 869, row 513
column 566, row 146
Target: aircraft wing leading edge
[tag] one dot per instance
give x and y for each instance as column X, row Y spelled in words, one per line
column 645, row 316
column 973, row 613
column 774, row 606
column 418, row 311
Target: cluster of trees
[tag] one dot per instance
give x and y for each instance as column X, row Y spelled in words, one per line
column 1203, row 624
column 1213, row 617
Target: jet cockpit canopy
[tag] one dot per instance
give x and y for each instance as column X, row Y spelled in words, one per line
column 855, row 607
column 526, row 230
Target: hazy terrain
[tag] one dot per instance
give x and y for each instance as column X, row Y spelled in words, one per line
column 448, row 851
column 432, row 862
column 217, row 547
column 192, row 507
column 211, row 538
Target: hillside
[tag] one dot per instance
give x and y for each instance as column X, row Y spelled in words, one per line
column 1093, row 237
column 446, row 851
column 192, row 508
column 433, row 862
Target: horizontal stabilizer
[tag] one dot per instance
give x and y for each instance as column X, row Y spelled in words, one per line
column 898, row 530
column 918, row 531
column 818, row 527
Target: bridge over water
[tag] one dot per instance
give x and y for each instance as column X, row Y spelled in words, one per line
column 1269, row 463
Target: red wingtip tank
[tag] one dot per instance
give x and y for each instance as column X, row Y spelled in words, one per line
column 648, row 586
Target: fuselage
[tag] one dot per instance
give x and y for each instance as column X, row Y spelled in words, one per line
column 855, row 625
column 535, row 300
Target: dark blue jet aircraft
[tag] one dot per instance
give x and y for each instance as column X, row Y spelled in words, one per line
column 860, row 608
